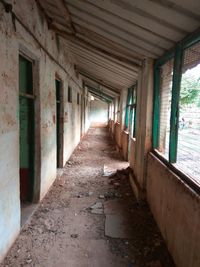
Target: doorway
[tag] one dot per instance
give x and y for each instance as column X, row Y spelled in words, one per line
column 26, row 129
column 59, row 124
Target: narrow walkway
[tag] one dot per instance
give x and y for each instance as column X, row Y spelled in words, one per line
column 90, row 218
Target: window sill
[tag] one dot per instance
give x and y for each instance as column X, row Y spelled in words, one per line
column 186, row 174
column 191, row 182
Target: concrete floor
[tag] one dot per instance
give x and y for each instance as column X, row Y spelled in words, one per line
column 89, row 219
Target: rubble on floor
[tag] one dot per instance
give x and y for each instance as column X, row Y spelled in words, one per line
column 91, row 219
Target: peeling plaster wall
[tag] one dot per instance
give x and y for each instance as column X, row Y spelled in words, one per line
column 72, row 125
column 9, row 138
column 11, row 43
column 176, row 209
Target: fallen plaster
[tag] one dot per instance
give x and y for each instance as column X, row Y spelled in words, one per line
column 64, row 232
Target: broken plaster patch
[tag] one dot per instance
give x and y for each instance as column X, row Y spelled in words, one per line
column 117, row 227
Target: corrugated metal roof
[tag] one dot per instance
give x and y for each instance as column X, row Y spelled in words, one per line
column 110, row 38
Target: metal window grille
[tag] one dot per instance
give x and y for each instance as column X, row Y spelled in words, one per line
column 130, row 118
column 188, row 149
column 166, row 74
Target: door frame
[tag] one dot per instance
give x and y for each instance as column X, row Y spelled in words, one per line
column 24, row 52
column 60, row 162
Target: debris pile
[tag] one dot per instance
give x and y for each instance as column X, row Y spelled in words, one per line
column 110, row 195
column 120, row 176
column 97, row 208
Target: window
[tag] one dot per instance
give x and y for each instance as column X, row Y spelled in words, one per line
column 176, row 127
column 130, row 117
column 118, row 109
column 133, row 116
column 78, row 100
column 188, row 148
column 69, row 94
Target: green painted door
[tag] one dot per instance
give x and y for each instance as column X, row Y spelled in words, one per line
column 26, row 122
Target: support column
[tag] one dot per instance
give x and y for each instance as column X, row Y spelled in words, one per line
column 143, row 128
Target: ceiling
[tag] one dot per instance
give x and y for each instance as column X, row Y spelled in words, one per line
column 110, row 38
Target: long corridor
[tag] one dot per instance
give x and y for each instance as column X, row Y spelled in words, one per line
column 90, row 218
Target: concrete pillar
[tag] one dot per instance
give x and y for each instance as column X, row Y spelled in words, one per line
column 143, row 127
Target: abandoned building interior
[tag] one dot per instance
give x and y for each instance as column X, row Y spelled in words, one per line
column 121, row 71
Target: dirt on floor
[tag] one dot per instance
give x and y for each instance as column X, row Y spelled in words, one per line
column 90, row 217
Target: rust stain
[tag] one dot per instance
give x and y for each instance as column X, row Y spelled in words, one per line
column 9, row 82
column 9, row 120
column 47, row 125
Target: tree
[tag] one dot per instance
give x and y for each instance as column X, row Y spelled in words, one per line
column 190, row 89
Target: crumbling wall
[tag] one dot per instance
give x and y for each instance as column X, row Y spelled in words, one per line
column 13, row 40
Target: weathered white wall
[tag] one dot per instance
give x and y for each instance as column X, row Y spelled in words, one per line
column 11, row 43
column 9, row 138
column 72, row 130
column 98, row 112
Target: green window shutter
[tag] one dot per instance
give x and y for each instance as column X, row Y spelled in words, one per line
column 156, row 107
column 175, row 105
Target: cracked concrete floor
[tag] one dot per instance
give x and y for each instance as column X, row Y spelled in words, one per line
column 65, row 231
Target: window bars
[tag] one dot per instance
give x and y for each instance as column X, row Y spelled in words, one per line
column 176, row 122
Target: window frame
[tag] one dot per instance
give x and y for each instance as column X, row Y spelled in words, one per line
column 156, row 99
column 131, row 104
column 128, row 99
column 178, row 54
column 135, row 109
